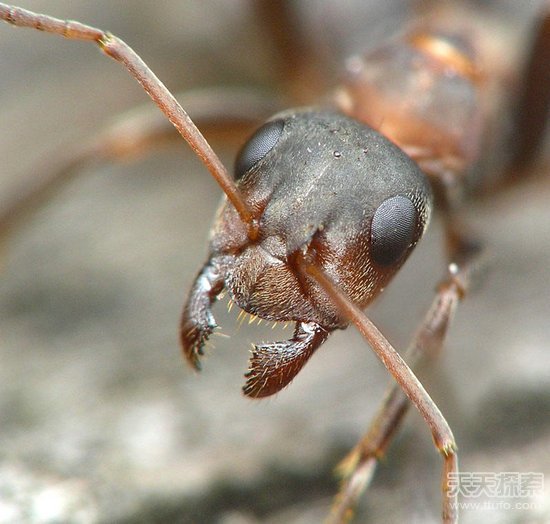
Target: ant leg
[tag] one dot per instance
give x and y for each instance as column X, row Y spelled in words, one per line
column 408, row 383
column 229, row 112
column 118, row 50
column 292, row 51
column 533, row 106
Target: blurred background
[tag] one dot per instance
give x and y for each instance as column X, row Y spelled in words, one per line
column 100, row 418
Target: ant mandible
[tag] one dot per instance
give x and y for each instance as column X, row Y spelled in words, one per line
column 321, row 214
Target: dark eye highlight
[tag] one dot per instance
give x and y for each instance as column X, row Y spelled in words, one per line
column 259, row 144
column 392, row 230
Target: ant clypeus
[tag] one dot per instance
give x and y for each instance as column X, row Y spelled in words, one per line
column 304, row 269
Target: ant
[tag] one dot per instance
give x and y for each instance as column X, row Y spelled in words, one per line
column 307, row 259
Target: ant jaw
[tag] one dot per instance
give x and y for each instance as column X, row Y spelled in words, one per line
column 197, row 321
column 274, row 365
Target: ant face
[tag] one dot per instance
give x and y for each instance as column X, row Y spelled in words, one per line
column 321, row 185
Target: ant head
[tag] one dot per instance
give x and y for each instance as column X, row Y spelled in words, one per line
column 321, row 186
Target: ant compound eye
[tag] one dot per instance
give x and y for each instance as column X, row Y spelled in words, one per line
column 393, row 229
column 259, row 145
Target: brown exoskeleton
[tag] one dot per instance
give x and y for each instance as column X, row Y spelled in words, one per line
column 294, row 255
